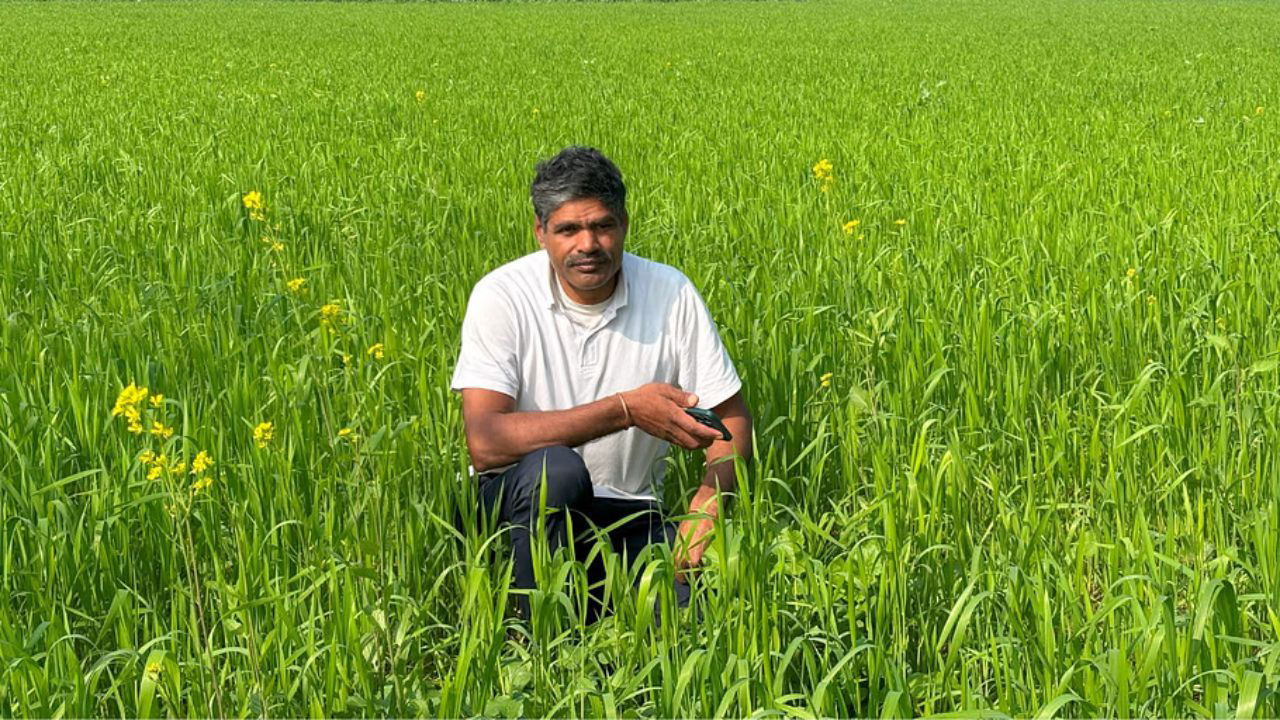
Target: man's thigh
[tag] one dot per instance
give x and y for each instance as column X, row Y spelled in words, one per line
column 632, row 525
column 512, row 495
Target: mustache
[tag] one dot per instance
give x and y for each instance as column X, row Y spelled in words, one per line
column 593, row 259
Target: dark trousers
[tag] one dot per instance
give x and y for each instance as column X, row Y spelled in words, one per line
column 514, row 497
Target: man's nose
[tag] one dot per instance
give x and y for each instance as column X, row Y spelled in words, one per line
column 588, row 241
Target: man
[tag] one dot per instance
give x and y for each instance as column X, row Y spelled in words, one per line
column 576, row 366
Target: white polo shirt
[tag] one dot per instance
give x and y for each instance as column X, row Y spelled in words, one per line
column 518, row 339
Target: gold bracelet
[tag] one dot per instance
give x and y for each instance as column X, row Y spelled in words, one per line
column 626, row 412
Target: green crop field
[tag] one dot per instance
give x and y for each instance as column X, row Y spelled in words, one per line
column 1000, row 277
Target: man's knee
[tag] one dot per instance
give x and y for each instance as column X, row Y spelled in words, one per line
column 567, row 481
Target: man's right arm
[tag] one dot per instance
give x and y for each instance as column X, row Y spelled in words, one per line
column 497, row 435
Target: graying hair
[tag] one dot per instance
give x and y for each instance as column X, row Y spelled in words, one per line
column 576, row 173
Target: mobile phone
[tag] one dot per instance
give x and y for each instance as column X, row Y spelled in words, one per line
column 708, row 418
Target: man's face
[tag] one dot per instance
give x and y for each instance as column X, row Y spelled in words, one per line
column 584, row 239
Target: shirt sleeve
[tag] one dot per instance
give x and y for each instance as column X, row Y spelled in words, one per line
column 489, row 358
column 705, row 368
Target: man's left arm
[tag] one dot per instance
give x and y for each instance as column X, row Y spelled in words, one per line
column 720, row 478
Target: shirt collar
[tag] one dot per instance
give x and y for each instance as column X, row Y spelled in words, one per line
column 617, row 301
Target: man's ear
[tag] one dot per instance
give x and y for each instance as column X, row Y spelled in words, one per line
column 538, row 231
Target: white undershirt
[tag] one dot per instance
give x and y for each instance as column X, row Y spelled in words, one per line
column 584, row 316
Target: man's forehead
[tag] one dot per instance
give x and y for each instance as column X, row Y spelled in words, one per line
column 580, row 211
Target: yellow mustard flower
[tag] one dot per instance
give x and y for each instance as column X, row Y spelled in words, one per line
column 254, row 204
column 1258, row 110
column 330, row 313
column 154, row 669
column 178, row 468
column 375, row 351
column 157, row 400
column 851, row 226
column 133, row 416
column 348, row 434
column 900, row 222
column 128, row 397
column 201, row 463
column 146, row 457
column 296, row 284
column 160, row 430
column 824, row 173
column 263, row 433
column 155, row 471
column 420, row 96
column 201, row 484
column 825, row 380
column 1130, row 273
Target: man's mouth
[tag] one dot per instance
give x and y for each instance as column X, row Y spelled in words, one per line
column 588, row 266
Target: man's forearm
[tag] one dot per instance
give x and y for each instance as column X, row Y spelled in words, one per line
column 510, row 436
column 721, row 476
column 722, row 471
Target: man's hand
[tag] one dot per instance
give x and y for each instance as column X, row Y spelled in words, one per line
column 658, row 409
column 695, row 532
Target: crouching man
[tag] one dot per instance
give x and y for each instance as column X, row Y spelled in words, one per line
column 577, row 364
